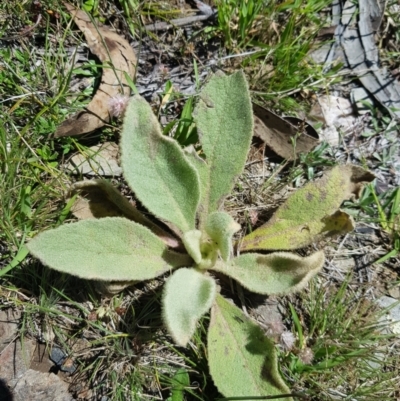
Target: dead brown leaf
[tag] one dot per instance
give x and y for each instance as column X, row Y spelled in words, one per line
column 113, row 50
column 278, row 133
column 99, row 198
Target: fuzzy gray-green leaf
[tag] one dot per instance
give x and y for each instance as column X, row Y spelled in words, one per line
column 242, row 360
column 276, row 273
column 187, row 296
column 192, row 241
column 109, row 249
column 157, row 169
column 220, row 226
column 224, row 120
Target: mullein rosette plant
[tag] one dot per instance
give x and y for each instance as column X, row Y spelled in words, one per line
column 185, row 190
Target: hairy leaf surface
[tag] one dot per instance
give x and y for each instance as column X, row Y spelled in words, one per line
column 311, row 213
column 242, row 360
column 109, row 249
column 224, row 120
column 187, row 296
column 220, row 226
column 278, row 273
column 191, row 240
column 157, row 169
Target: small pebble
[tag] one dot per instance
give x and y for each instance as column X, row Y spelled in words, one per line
column 59, row 357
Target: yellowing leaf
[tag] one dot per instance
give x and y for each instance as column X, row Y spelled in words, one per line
column 311, row 213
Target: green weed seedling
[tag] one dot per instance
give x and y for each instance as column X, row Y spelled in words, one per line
column 390, row 220
column 383, row 209
column 179, row 382
column 186, row 191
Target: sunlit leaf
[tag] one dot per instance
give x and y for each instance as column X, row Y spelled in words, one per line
column 276, row 273
column 312, row 212
column 224, row 121
column 242, row 360
column 187, row 296
column 157, row 169
column 109, row 249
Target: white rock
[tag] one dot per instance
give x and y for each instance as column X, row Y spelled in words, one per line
column 337, row 115
column 38, row 386
column 99, row 160
column 392, row 317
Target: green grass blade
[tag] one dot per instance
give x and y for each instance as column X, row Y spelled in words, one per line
column 18, row 258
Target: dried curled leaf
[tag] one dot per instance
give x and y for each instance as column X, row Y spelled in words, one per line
column 312, row 212
column 111, row 49
column 99, row 198
column 279, row 134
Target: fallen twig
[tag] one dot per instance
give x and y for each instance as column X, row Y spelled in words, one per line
column 25, row 32
column 162, row 26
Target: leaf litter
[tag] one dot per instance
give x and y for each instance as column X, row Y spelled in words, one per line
column 118, row 60
column 285, row 138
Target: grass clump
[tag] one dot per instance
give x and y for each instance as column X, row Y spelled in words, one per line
column 344, row 348
column 281, row 36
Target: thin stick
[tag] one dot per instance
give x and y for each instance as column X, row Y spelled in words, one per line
column 24, row 32
column 161, row 26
